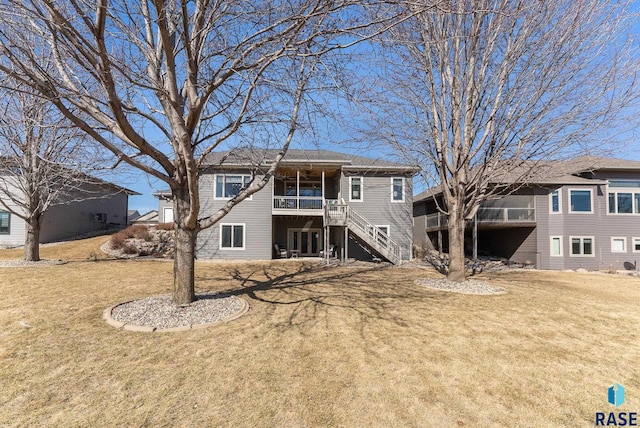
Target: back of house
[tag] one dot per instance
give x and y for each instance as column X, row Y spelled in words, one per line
column 318, row 203
column 581, row 213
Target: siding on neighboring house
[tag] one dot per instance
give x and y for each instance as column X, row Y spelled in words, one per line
column 548, row 225
column 75, row 218
column 17, row 229
column 163, row 206
column 377, row 207
column 254, row 213
column 420, row 238
column 64, row 221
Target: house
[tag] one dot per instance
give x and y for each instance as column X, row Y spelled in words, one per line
column 353, row 206
column 150, row 218
column 132, row 215
column 581, row 213
column 95, row 205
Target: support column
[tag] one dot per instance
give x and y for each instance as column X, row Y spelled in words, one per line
column 327, row 231
column 322, row 184
column 475, row 238
column 346, row 244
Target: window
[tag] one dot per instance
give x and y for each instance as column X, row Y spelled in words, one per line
column 582, row 246
column 383, row 240
column 618, row 245
column 100, row 217
column 624, row 183
column 624, row 202
column 384, row 228
column 228, row 186
column 397, row 189
column 556, row 246
column 555, row 201
column 580, row 201
column 5, row 222
column 636, row 245
column 232, row 236
column 355, row 186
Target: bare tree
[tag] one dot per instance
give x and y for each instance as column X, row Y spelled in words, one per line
column 41, row 159
column 174, row 80
column 478, row 90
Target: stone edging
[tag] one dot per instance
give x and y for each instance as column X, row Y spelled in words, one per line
column 106, row 315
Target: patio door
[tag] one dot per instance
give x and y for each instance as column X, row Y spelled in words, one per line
column 306, row 242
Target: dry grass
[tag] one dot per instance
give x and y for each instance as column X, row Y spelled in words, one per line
column 319, row 347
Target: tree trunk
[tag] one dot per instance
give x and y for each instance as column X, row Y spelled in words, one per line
column 456, row 245
column 32, row 240
column 184, row 257
column 184, row 267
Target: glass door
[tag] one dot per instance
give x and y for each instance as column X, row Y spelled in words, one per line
column 305, row 242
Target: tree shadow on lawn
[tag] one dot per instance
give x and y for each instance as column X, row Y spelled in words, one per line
column 314, row 293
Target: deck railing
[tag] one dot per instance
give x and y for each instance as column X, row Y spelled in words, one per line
column 298, row 202
column 339, row 214
column 489, row 215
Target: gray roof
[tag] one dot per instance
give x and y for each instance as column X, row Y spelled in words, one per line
column 595, row 163
column 554, row 172
column 151, row 216
column 132, row 214
column 246, row 157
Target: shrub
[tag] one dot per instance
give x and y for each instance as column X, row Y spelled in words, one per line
column 118, row 240
column 164, row 226
column 137, row 231
column 129, row 249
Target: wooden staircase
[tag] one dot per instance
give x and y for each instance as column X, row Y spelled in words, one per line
column 340, row 214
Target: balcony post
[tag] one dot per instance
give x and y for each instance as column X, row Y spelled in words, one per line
column 475, row 237
column 297, row 189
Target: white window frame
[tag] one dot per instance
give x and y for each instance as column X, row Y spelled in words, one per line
column 551, row 211
column 582, row 238
column 624, row 244
column 244, row 236
column 215, row 185
column 590, row 201
column 403, row 189
column 379, row 226
column 551, row 238
column 361, row 189
column 633, row 243
column 633, row 190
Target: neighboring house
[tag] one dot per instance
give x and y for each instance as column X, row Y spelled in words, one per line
column 95, row 206
column 583, row 213
column 353, row 206
column 132, row 215
column 150, row 218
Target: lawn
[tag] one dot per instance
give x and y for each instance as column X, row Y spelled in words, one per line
column 343, row 346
